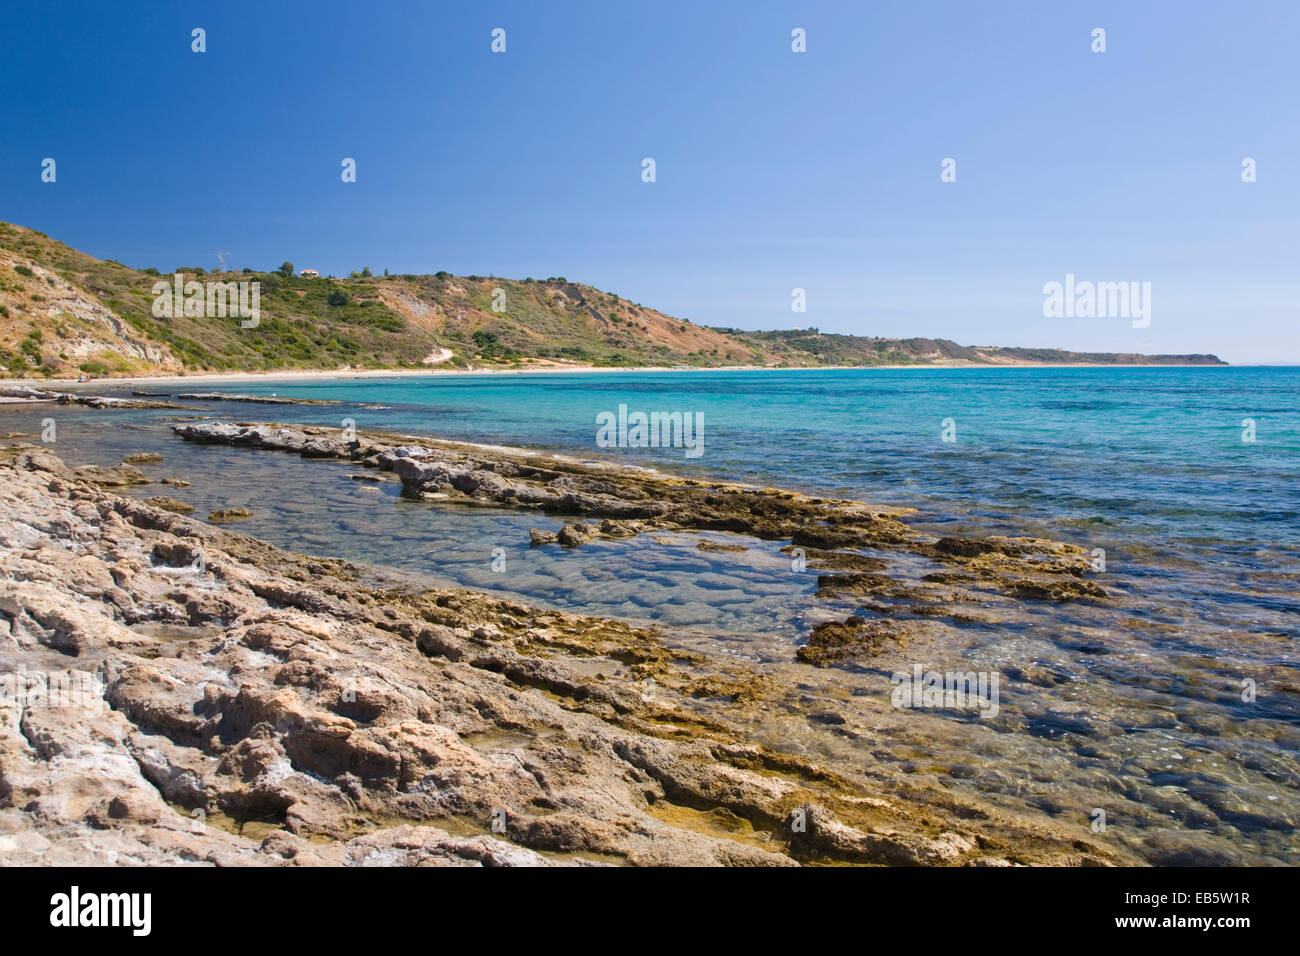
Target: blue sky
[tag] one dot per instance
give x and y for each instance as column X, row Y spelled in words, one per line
column 775, row 170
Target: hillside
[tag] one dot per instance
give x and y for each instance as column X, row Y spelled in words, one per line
column 836, row 349
column 63, row 312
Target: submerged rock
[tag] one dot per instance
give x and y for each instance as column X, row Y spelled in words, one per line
column 170, row 504
column 835, row 641
column 119, row 476
column 572, row 535
column 966, row 547
column 1063, row 589
column 717, row 546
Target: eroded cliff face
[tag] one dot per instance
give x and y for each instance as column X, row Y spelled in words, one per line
column 49, row 323
column 238, row 704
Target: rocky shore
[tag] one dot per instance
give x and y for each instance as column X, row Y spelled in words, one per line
column 24, row 393
column 867, row 553
column 249, row 399
column 247, row 705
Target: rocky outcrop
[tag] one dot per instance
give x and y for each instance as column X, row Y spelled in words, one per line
column 869, row 553
column 170, row 504
column 624, row 500
column 629, row 500
column 859, row 639
column 28, row 394
column 192, row 695
column 252, row 399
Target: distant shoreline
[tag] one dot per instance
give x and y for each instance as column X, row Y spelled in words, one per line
column 340, row 374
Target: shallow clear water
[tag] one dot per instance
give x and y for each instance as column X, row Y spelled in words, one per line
column 1134, row 707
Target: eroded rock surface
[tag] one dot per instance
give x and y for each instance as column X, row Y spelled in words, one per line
column 238, row 704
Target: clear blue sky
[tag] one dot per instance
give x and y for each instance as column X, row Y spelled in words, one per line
column 775, row 170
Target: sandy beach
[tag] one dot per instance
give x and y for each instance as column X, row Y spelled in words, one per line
column 291, row 375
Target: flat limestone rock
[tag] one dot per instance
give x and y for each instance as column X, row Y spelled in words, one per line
column 224, row 702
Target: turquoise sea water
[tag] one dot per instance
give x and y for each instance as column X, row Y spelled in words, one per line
column 1135, row 707
column 1147, row 459
column 1161, row 447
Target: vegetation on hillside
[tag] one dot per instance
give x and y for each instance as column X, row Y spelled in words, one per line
column 62, row 311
